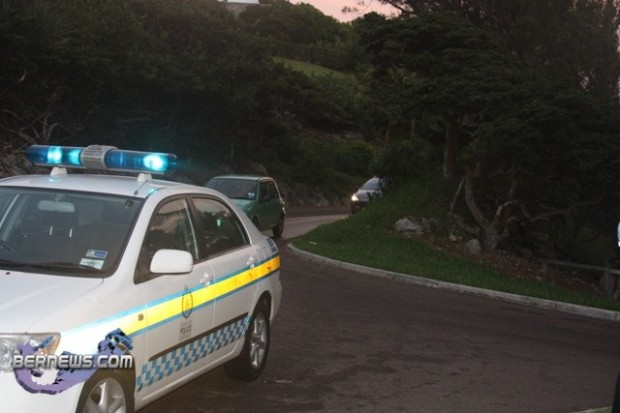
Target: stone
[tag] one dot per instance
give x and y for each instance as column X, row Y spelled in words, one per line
column 408, row 227
column 474, row 247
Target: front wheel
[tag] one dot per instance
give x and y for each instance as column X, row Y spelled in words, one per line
column 279, row 228
column 250, row 363
column 106, row 391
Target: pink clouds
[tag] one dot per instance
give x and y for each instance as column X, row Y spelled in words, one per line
column 334, row 8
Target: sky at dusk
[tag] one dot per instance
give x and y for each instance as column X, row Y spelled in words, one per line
column 334, row 8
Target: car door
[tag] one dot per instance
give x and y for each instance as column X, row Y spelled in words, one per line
column 232, row 259
column 177, row 314
column 267, row 208
column 276, row 200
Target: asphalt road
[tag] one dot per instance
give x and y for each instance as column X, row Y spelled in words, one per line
column 346, row 342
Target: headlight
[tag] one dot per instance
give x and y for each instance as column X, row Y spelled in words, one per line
column 354, row 198
column 45, row 343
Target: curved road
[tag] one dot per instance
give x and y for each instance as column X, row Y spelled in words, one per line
column 346, row 342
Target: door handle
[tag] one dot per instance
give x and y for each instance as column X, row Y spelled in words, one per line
column 250, row 262
column 206, row 278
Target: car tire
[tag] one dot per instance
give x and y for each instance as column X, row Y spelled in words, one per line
column 250, row 363
column 279, row 228
column 106, row 391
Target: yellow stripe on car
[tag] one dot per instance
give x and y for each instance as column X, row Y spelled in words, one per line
column 161, row 311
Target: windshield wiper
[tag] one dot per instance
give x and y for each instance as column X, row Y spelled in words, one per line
column 64, row 266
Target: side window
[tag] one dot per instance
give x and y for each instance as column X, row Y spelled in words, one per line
column 220, row 228
column 170, row 228
column 265, row 194
column 273, row 190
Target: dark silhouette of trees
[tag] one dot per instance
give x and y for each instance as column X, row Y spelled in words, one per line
column 527, row 141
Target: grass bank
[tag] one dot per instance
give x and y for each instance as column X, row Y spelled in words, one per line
column 309, row 69
column 367, row 238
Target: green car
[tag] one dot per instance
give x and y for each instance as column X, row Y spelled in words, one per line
column 257, row 196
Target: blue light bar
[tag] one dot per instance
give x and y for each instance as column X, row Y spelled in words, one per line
column 142, row 161
column 54, row 155
column 101, row 157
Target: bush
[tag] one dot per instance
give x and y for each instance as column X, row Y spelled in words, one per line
column 355, row 159
column 400, row 161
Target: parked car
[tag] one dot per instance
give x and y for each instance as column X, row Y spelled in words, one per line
column 372, row 189
column 118, row 289
column 257, row 196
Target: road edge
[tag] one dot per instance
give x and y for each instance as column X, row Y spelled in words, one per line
column 607, row 315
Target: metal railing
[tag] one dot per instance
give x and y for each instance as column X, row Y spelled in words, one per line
column 544, row 264
column 605, row 270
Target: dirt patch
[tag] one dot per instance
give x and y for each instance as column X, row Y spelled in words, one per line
column 525, row 268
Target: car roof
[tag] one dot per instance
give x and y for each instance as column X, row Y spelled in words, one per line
column 133, row 186
column 246, row 177
column 374, row 179
column 372, row 183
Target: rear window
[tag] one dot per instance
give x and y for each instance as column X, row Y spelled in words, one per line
column 235, row 188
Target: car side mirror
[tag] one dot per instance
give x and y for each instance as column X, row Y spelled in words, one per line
column 168, row 261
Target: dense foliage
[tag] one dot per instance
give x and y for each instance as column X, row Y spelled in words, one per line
column 183, row 76
column 518, row 100
column 304, row 33
column 531, row 136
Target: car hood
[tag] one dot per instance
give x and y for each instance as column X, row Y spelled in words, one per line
column 363, row 194
column 26, row 298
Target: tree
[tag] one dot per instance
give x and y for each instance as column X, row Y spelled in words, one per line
column 34, row 42
column 301, row 24
column 546, row 156
column 576, row 39
column 302, row 32
column 529, row 144
column 448, row 67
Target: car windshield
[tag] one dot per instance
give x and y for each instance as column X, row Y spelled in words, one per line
column 235, row 188
column 70, row 233
column 373, row 184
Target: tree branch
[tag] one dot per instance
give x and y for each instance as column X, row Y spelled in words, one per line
column 456, row 195
column 470, row 200
column 546, row 215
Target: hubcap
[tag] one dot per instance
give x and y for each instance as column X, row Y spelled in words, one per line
column 106, row 397
column 258, row 341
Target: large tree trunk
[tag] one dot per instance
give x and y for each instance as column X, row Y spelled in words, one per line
column 490, row 232
column 451, row 146
column 488, row 236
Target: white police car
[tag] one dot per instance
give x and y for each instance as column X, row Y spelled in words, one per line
column 117, row 289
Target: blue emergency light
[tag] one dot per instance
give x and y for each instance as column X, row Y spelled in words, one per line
column 100, row 157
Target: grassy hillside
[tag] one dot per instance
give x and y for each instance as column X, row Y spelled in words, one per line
column 368, row 238
column 309, row 68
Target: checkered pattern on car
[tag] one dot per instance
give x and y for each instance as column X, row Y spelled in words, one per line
column 169, row 363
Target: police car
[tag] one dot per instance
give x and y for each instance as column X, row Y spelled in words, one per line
column 117, row 289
